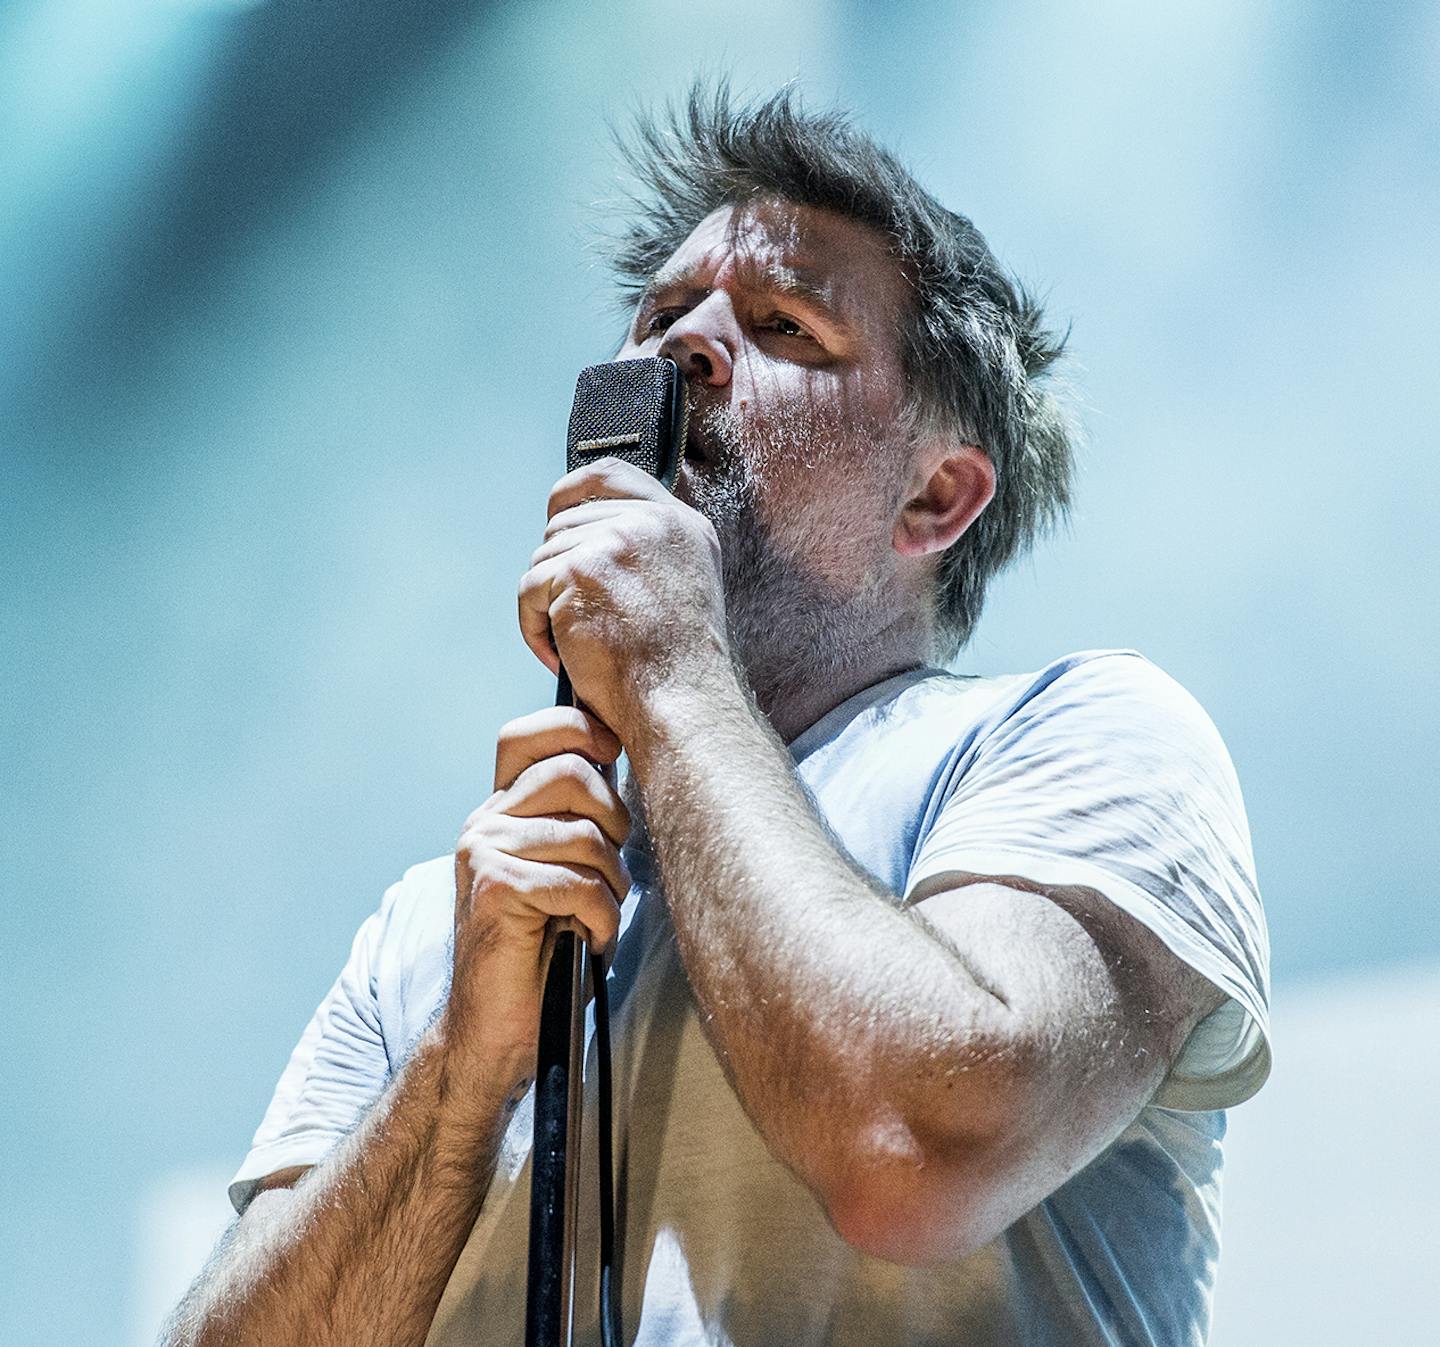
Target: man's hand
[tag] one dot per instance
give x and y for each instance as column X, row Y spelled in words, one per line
column 626, row 588
column 545, row 845
column 360, row 1252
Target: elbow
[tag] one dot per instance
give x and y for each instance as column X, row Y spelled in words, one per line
column 873, row 1224
column 913, row 1205
column 936, row 1187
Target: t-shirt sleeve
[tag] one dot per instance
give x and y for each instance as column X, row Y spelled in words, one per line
column 337, row 1070
column 1108, row 774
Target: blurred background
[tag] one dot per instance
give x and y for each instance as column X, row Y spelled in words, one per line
column 292, row 298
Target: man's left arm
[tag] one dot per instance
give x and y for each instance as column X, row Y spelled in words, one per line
column 931, row 1069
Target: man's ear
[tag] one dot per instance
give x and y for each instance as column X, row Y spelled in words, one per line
column 951, row 485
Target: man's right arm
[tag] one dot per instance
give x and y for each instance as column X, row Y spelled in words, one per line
column 359, row 1250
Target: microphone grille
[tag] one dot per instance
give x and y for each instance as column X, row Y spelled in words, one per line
column 630, row 409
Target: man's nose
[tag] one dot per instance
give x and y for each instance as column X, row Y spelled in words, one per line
column 703, row 341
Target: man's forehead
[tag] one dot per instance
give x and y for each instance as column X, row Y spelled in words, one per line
column 805, row 248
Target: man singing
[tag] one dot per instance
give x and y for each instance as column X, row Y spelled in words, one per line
column 927, row 990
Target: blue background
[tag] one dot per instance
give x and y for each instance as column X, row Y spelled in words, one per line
column 292, row 297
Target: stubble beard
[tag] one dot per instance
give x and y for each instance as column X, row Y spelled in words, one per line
column 806, row 584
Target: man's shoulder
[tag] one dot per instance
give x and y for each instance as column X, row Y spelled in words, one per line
column 1111, row 704
column 1077, row 675
column 421, row 885
column 419, row 908
column 1118, row 700
column 1117, row 685
column 410, row 954
column 940, row 705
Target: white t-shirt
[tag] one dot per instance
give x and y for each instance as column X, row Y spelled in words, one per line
column 1099, row 770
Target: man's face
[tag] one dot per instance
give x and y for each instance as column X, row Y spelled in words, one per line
column 785, row 321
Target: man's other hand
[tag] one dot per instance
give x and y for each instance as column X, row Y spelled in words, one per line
column 626, row 589
column 543, row 847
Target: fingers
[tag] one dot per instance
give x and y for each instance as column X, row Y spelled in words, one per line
column 514, row 871
column 547, row 734
column 568, row 565
column 588, row 512
column 532, row 893
column 568, row 891
column 605, row 478
column 577, row 844
column 552, row 593
column 536, row 586
column 541, row 854
column 568, row 785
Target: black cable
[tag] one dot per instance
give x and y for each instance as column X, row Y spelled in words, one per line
column 610, row 1335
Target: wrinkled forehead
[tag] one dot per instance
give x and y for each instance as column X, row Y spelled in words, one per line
column 771, row 242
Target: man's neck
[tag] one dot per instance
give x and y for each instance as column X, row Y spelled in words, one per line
column 792, row 697
column 794, row 716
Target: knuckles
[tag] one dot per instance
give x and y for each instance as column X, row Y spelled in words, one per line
column 608, row 566
column 608, row 476
column 587, row 833
column 515, row 734
column 597, row 890
column 569, row 767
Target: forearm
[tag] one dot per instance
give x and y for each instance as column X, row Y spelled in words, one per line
column 370, row 1237
column 835, row 1011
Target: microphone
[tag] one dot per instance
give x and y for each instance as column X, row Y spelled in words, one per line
column 636, row 410
column 631, row 409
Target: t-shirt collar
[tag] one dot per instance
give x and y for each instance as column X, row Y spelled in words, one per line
column 837, row 718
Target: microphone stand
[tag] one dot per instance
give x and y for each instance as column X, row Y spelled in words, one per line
column 554, row 1160
column 555, row 1156
column 636, row 410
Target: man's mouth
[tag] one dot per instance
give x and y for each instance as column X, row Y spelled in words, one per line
column 699, row 451
column 704, row 444
column 697, row 465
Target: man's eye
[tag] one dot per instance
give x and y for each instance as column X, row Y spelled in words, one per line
column 786, row 327
column 660, row 320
